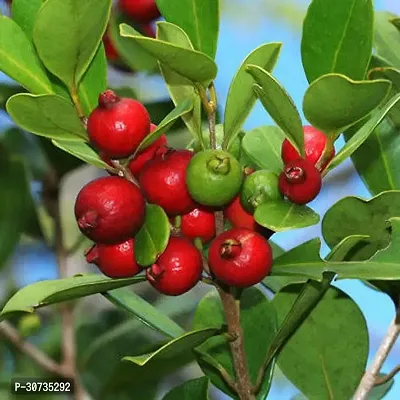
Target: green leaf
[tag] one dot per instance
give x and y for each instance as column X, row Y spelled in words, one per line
column 337, row 41
column 378, row 160
column 316, row 358
column 241, row 97
column 196, row 66
column 181, row 109
column 130, row 52
column 15, row 195
column 396, row 22
column 18, row 59
column 67, row 34
column 80, row 149
column 179, row 87
column 152, row 239
column 379, row 392
column 46, row 115
column 6, row 91
column 199, row 19
column 195, row 389
column 357, row 216
column 24, row 13
column 46, row 292
column 259, row 326
column 334, row 102
column 144, row 311
column 283, row 215
column 279, row 105
column 94, row 81
column 263, row 147
column 387, row 38
column 363, row 133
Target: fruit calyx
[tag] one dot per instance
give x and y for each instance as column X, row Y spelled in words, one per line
column 230, row 249
column 108, row 98
column 294, row 174
column 219, row 165
column 155, row 272
column 89, row 220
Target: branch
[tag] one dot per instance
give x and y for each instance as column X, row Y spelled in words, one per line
column 387, row 377
column 31, row 351
column 370, row 376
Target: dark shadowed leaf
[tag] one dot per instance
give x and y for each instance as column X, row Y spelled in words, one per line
column 283, row 215
column 316, row 358
column 67, row 34
column 144, row 311
column 334, row 102
column 259, row 325
column 46, row 115
column 46, row 292
column 199, row 19
column 8, row 90
column 152, row 239
column 195, row 389
column 339, row 40
column 241, row 97
column 18, row 59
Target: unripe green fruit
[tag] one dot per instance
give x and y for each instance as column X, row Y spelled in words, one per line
column 258, row 188
column 219, row 138
column 214, row 177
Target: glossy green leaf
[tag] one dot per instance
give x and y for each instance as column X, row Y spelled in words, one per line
column 241, row 97
column 131, row 53
column 18, row 59
column 279, row 105
column 387, row 38
column 94, row 81
column 182, row 344
column 357, row 216
column 363, row 133
column 195, row 66
column 377, row 161
column 195, row 389
column 379, row 392
column 263, row 147
column 46, row 292
column 67, row 34
column 283, row 215
column 46, row 115
column 15, row 194
column 199, row 19
column 80, row 149
column 259, row 325
column 334, row 102
column 179, row 87
column 144, row 311
column 337, row 41
column 24, row 13
column 179, row 111
column 316, row 358
column 152, row 239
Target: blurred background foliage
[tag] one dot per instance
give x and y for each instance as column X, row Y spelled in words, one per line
column 105, row 334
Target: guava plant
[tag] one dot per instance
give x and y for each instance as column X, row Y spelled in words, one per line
column 207, row 213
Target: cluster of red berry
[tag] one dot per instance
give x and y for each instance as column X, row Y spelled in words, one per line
column 189, row 187
column 141, row 13
column 300, row 180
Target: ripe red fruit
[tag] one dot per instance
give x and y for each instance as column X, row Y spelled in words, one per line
column 163, row 182
column 178, row 269
column 159, row 147
column 300, row 181
column 114, row 260
column 315, row 142
column 140, row 10
column 199, row 223
column 148, row 30
column 118, row 125
column 109, row 210
column 240, row 257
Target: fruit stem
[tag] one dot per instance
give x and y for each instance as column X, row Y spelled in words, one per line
column 326, row 154
column 77, row 103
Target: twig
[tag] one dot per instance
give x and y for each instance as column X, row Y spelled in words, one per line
column 370, row 376
column 31, row 351
column 387, row 377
